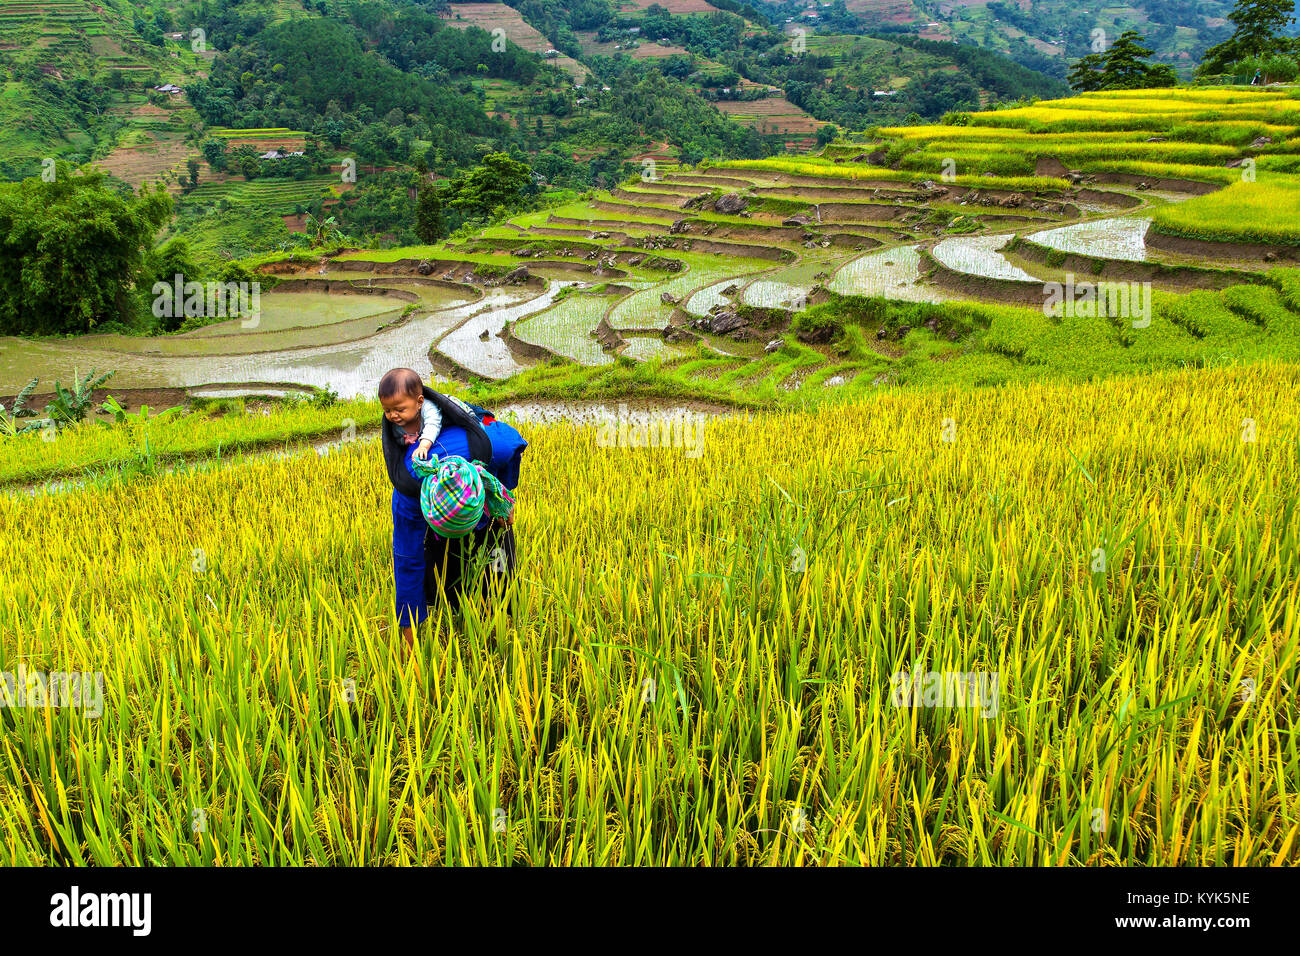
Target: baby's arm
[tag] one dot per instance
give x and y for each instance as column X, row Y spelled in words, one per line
column 430, row 422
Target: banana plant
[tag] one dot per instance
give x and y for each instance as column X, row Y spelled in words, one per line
column 321, row 232
column 9, row 420
column 73, row 405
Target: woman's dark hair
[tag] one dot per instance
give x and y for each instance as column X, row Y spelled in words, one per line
column 401, row 381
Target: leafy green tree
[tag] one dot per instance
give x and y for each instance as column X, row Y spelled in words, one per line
column 164, row 264
column 1281, row 69
column 214, row 151
column 430, row 226
column 1122, row 67
column 1085, row 75
column 72, row 250
column 1260, row 25
column 498, row 181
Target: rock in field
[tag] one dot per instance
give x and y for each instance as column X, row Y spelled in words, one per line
column 725, row 322
column 730, row 203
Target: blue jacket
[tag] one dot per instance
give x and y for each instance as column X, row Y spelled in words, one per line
column 409, row 526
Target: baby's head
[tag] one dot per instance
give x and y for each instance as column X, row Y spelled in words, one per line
column 401, row 393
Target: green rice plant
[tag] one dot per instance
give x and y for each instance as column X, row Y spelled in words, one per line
column 805, row 167
column 888, row 273
column 979, row 256
column 1208, row 174
column 647, row 310
column 89, row 448
column 1261, row 211
column 567, row 328
column 1121, row 237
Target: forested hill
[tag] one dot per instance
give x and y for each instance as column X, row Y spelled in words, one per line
column 476, row 73
column 1047, row 35
column 247, row 110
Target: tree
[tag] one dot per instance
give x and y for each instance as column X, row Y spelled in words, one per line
column 72, row 250
column 323, row 231
column 1085, row 75
column 163, row 264
column 498, row 181
column 1280, row 69
column 1259, row 26
column 430, row 226
column 1122, row 67
column 214, row 151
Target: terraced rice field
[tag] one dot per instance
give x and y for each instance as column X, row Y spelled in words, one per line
column 643, row 348
column 498, row 16
column 1139, row 523
column 476, row 344
column 566, row 329
column 293, row 310
column 645, row 310
column 281, row 196
column 350, row 365
column 892, row 273
column 1243, row 212
column 979, row 256
column 710, row 296
column 265, row 138
column 1082, row 131
column 676, row 7
column 641, row 51
column 1121, row 237
column 774, row 115
column 789, row 287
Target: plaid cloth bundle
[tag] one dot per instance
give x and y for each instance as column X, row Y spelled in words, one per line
column 454, row 492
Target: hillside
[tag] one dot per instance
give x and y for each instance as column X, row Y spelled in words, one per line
column 921, row 255
column 388, row 86
column 1047, row 34
column 76, row 79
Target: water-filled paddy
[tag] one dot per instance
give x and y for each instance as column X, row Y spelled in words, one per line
column 350, row 368
column 645, row 347
column 1118, row 238
column 566, row 329
column 477, row 345
column 979, row 256
column 892, row 273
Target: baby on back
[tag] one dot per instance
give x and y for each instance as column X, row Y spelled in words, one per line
column 414, row 417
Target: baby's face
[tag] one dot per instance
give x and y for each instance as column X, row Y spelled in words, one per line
column 401, row 410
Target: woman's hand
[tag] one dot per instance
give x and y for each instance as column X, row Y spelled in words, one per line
column 505, row 522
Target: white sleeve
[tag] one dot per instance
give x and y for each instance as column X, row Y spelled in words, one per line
column 430, row 421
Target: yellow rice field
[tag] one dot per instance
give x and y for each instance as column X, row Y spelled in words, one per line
column 701, row 665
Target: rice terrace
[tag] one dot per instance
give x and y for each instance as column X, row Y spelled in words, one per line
column 917, row 491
